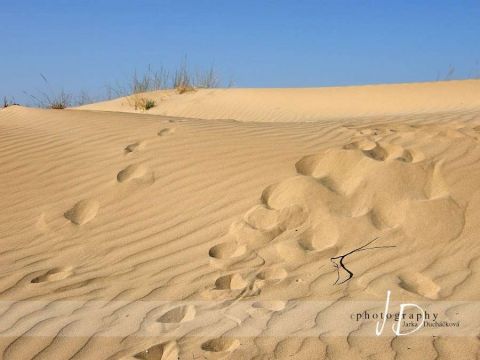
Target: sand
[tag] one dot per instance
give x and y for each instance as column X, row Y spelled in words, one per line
column 213, row 225
column 307, row 104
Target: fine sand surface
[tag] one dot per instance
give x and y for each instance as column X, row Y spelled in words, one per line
column 205, row 228
column 308, row 104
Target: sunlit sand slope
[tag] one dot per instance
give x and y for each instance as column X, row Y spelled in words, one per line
column 309, row 104
column 137, row 236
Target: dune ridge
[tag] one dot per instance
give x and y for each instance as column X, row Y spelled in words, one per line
column 307, row 104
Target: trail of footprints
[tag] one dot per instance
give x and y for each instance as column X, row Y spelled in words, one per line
column 336, row 188
column 301, row 218
column 86, row 210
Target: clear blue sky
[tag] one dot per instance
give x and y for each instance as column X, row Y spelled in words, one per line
column 86, row 44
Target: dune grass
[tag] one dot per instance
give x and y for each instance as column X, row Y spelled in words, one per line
column 8, row 102
column 182, row 80
column 142, row 103
column 50, row 98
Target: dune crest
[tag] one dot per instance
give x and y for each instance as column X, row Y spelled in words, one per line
column 308, row 104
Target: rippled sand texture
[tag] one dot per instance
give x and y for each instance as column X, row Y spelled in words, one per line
column 199, row 233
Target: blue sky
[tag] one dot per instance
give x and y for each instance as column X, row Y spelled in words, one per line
column 83, row 45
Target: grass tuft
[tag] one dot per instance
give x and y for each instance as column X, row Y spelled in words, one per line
column 8, row 102
column 142, row 103
column 182, row 80
column 207, row 79
column 51, row 99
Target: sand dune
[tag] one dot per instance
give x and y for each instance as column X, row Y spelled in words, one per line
column 253, row 236
column 307, row 104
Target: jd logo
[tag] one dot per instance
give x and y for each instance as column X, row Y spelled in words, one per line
column 401, row 315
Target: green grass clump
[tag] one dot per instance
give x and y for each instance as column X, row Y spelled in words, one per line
column 149, row 103
column 141, row 103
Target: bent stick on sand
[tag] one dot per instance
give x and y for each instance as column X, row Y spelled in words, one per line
column 340, row 263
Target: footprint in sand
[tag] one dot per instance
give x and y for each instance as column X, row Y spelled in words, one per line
column 137, row 172
column 380, row 131
column 384, row 151
column 137, row 146
column 419, row 284
column 368, row 185
column 274, row 275
column 55, row 274
column 363, row 144
column 319, row 238
column 221, row 345
column 164, row 351
column 177, row 315
column 378, row 153
column 261, row 309
column 231, row 282
column 268, row 220
column 166, row 131
column 227, row 250
column 83, row 212
column 270, row 305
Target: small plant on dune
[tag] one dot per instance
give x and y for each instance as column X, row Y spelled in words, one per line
column 151, row 80
column 83, row 98
column 141, row 103
column 60, row 101
column 51, row 99
column 207, row 79
column 149, row 103
column 8, row 102
column 182, row 80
